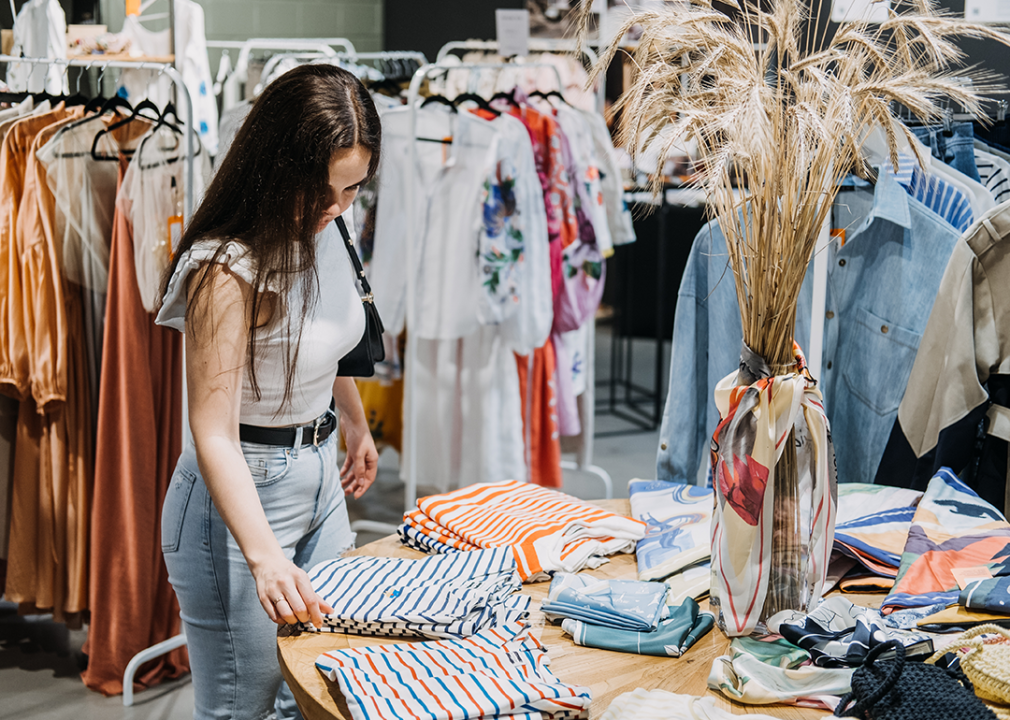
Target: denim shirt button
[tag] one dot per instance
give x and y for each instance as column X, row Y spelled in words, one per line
column 829, row 314
column 884, row 329
column 829, row 364
column 841, row 262
column 662, row 446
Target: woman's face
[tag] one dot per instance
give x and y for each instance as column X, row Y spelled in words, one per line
column 348, row 170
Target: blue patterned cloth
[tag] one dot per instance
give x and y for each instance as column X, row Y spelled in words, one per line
column 679, row 518
column 622, row 604
column 674, row 636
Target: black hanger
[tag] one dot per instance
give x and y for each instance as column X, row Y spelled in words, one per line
column 481, row 102
column 144, row 104
column 442, row 99
column 510, row 96
column 13, row 97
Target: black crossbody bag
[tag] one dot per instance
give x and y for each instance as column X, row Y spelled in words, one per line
column 360, row 362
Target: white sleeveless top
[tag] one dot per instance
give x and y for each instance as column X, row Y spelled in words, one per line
column 334, row 326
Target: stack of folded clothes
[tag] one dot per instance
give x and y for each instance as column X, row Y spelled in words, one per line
column 954, row 530
column 496, row 673
column 620, row 604
column 680, row 628
column 453, row 595
column 546, row 530
column 872, row 528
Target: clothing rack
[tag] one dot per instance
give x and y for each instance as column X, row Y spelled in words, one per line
column 240, row 74
column 410, row 409
column 179, row 640
column 584, row 454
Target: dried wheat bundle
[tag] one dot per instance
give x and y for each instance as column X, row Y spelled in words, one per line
column 771, row 101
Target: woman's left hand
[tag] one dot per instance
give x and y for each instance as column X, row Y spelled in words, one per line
column 362, row 462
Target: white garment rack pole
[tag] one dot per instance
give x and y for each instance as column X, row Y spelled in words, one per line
column 587, row 416
column 191, row 140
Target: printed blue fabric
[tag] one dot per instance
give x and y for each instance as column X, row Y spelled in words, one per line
column 622, row 604
column 679, row 517
column 672, row 638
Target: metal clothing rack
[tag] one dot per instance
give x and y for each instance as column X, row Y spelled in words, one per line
column 410, row 408
column 240, row 74
column 179, row 640
column 584, row 454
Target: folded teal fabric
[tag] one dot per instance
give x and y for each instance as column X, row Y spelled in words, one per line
column 672, row 638
column 620, row 604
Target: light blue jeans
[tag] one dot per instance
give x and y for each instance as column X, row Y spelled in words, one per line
column 232, row 643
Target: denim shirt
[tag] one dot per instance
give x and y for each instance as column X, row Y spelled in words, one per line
column 881, row 287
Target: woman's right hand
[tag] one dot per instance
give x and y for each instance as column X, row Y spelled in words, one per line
column 286, row 594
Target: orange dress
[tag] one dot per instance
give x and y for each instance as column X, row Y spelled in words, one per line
column 139, row 441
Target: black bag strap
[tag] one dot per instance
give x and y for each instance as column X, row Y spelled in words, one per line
column 886, row 684
column 355, row 260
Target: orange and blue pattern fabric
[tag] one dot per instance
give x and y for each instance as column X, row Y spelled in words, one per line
column 953, row 528
column 757, row 419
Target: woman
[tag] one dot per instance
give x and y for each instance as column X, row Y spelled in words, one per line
column 263, row 288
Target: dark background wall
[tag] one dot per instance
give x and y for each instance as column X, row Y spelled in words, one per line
column 77, row 11
column 427, row 25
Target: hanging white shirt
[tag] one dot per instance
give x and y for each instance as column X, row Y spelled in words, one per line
column 190, row 58
column 40, row 31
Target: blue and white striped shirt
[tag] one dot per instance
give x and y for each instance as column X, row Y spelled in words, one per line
column 492, row 674
column 456, row 594
column 935, row 193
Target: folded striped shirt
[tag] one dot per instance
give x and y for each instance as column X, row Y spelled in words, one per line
column 439, row 596
column 496, row 673
column 547, row 531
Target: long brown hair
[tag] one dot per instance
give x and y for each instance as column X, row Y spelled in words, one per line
column 273, row 186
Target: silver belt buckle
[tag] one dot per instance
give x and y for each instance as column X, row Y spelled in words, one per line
column 315, row 429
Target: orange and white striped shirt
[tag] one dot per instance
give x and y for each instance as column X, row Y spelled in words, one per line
column 547, row 530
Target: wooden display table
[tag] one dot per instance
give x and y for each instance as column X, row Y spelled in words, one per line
column 607, row 673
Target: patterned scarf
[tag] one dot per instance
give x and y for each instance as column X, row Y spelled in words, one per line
column 756, row 420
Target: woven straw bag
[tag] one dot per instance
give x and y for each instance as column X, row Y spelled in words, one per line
column 986, row 664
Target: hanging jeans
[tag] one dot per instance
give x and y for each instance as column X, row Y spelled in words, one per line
column 955, row 147
column 232, row 643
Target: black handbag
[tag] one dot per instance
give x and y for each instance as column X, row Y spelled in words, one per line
column 360, row 362
column 895, row 689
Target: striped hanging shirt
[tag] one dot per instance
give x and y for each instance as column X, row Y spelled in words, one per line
column 496, row 673
column 440, row 596
column 993, row 175
column 548, row 531
column 935, row 193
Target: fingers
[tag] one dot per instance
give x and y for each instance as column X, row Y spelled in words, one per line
column 310, row 600
column 291, row 599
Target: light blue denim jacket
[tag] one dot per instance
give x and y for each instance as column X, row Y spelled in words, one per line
column 881, row 288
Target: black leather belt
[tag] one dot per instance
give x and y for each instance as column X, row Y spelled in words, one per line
column 312, row 434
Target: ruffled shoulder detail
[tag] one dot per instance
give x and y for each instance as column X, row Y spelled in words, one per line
column 234, row 254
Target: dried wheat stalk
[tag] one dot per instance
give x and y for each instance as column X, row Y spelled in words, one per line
column 790, row 118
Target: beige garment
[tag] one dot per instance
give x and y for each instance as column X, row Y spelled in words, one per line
column 967, row 337
column 50, row 499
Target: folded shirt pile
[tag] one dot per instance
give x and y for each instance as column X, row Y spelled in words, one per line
column 444, row 596
column 620, row 604
column 990, row 594
column 873, row 523
column 840, row 634
column 546, row 530
column 495, row 673
column 672, row 637
column 953, row 528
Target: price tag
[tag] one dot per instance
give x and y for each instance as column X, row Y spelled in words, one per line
column 839, row 235
column 174, row 235
column 874, row 11
column 970, row 574
column 987, row 11
column 513, row 30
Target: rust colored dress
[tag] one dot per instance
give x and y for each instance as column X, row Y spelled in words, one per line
column 139, row 440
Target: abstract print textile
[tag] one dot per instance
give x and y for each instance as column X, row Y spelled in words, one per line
column 953, row 528
column 621, row 604
column 679, row 517
column 840, row 634
column 756, row 422
column 450, row 595
column 672, row 638
column 496, row 673
column 872, row 525
column 547, row 531
column 749, row 679
column 992, row 594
